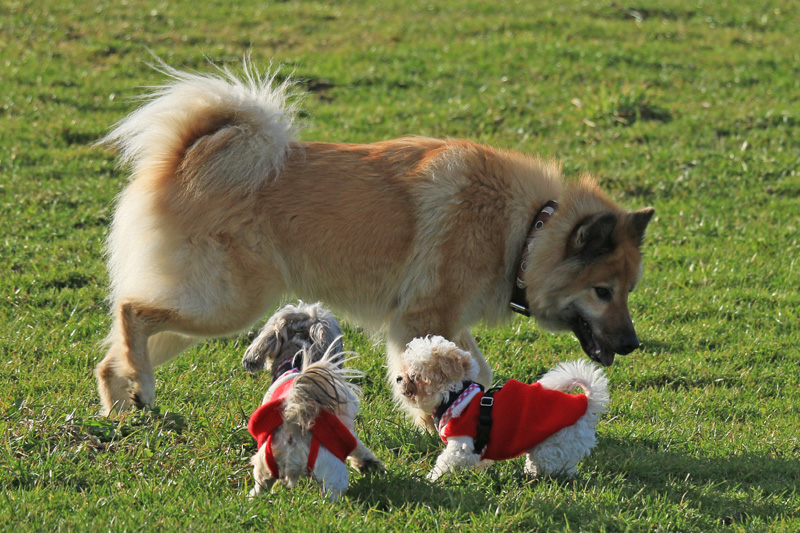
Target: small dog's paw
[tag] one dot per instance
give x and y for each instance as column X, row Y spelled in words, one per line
column 368, row 466
column 334, row 495
column 434, row 475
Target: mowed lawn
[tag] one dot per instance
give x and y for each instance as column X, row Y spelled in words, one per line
column 692, row 107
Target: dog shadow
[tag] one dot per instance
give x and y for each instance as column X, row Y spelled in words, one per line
column 739, row 485
column 397, row 489
column 404, row 483
column 743, row 487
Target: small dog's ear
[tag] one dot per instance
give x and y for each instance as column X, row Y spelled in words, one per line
column 452, row 364
column 325, row 336
column 262, row 350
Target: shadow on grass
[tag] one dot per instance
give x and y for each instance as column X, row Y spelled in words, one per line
column 395, row 490
column 739, row 487
column 623, row 477
column 413, row 452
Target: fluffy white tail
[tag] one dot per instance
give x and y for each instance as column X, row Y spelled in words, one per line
column 322, row 385
column 250, row 118
column 580, row 373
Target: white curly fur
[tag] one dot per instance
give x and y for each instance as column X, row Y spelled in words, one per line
column 562, row 452
column 436, row 367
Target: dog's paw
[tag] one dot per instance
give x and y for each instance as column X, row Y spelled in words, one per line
column 136, row 399
column 334, row 495
column 142, row 391
column 434, row 475
column 142, row 399
column 425, row 421
column 368, row 466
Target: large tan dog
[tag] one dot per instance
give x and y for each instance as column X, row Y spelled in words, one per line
column 226, row 212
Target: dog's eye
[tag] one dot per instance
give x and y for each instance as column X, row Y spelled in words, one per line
column 603, row 293
column 399, row 379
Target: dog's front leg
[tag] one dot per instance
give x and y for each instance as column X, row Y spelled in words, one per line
column 364, row 461
column 459, row 453
column 466, row 341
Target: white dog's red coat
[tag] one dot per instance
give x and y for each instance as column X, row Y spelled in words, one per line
column 523, row 416
column 327, row 430
column 555, row 430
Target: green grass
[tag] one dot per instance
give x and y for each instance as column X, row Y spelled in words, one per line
column 690, row 107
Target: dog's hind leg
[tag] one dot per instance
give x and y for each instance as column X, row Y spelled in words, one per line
column 466, row 341
column 125, row 375
column 331, row 474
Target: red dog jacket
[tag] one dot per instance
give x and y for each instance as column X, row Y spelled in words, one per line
column 327, row 430
column 522, row 417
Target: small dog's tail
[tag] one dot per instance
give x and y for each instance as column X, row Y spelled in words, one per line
column 580, row 373
column 324, row 384
column 211, row 131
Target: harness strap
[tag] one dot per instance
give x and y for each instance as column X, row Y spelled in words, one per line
column 485, row 421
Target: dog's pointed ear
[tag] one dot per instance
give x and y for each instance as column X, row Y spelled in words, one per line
column 639, row 220
column 592, row 237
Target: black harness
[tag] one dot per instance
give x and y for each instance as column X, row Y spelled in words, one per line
column 484, row 416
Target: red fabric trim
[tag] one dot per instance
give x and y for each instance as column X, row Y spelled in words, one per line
column 523, row 416
column 271, row 463
column 312, row 455
column 266, row 419
column 334, row 435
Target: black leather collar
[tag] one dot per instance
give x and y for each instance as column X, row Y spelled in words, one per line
column 519, row 302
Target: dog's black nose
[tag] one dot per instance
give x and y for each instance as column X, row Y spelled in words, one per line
column 628, row 344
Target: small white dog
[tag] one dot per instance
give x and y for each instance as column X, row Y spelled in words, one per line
column 305, row 427
column 554, row 429
column 289, row 333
